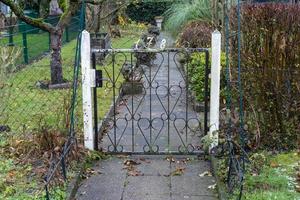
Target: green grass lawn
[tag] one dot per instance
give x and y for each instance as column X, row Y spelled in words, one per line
column 268, row 177
column 276, row 179
column 27, row 107
column 37, row 43
column 28, row 110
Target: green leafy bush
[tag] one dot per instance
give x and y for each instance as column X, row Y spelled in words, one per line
column 196, row 73
column 146, row 11
column 270, row 72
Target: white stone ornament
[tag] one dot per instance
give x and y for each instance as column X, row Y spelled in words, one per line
column 54, row 8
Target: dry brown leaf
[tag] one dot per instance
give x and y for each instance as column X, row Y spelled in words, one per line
column 274, row 164
column 178, row 171
column 131, row 162
column 135, row 173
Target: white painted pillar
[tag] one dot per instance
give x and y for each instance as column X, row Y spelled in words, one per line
column 215, row 88
column 87, row 91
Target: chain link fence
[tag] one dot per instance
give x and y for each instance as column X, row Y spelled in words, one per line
column 26, row 102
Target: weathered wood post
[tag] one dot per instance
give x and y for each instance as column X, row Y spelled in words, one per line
column 87, row 91
column 215, row 88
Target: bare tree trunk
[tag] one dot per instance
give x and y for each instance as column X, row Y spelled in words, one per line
column 56, row 61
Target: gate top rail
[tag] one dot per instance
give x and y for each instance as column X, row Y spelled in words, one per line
column 150, row 50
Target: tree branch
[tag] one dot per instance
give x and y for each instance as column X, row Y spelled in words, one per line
column 20, row 14
column 115, row 10
column 67, row 15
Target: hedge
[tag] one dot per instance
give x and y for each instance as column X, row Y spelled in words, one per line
column 146, row 11
column 270, row 57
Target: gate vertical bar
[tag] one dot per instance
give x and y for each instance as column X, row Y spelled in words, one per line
column 114, row 101
column 86, row 90
column 132, row 112
column 206, row 93
column 169, row 145
column 150, row 120
column 187, row 102
column 95, row 106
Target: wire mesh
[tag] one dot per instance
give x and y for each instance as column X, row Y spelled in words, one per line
column 26, row 102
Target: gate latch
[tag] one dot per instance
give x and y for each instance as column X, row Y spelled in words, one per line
column 99, row 78
column 96, row 78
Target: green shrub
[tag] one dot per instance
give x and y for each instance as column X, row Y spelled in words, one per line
column 146, row 11
column 196, row 73
column 270, row 72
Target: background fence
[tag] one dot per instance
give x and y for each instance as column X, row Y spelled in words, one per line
column 31, row 41
column 26, row 103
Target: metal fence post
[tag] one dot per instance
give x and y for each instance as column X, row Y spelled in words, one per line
column 11, row 38
column 25, row 48
column 49, row 40
column 215, row 88
column 87, row 91
column 67, row 34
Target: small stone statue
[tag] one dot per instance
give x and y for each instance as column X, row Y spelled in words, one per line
column 131, row 72
column 54, row 8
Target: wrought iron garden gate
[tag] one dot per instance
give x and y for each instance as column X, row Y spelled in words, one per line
column 152, row 109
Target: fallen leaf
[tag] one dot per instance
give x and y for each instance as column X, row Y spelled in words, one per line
column 206, row 173
column 178, row 171
column 170, row 159
column 135, row 173
column 56, row 149
column 274, row 164
column 131, row 162
column 212, row 186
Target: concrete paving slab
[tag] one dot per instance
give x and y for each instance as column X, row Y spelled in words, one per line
column 110, row 166
column 146, row 185
column 192, row 167
column 101, row 187
column 192, row 185
column 187, row 197
column 148, row 197
column 154, row 167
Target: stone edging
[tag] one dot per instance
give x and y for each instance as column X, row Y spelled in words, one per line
column 74, row 183
column 220, row 185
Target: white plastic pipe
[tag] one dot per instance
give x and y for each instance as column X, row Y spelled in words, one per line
column 87, row 91
column 215, row 88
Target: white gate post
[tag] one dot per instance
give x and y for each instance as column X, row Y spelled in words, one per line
column 87, row 91
column 215, row 88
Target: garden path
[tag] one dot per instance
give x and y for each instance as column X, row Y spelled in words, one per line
column 145, row 177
